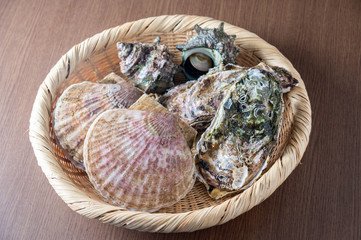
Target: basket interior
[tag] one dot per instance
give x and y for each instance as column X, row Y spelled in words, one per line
column 105, row 61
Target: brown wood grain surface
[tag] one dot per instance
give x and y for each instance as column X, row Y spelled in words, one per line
column 321, row 198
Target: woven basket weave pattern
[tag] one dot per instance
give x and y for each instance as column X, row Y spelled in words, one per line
column 95, row 58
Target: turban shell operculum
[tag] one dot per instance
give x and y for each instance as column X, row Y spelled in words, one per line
column 210, row 48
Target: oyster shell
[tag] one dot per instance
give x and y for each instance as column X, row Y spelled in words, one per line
column 196, row 102
column 234, row 149
column 210, row 48
column 138, row 159
column 81, row 103
column 149, row 66
column 284, row 77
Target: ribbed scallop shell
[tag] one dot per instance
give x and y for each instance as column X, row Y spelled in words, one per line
column 139, row 159
column 78, row 107
column 145, row 102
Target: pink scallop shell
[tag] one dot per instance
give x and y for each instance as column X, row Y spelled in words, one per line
column 139, row 159
column 78, row 107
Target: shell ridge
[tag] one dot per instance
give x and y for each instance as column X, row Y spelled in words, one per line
column 64, row 126
column 134, row 167
column 124, row 97
column 76, row 109
column 130, row 186
column 86, row 121
column 157, row 189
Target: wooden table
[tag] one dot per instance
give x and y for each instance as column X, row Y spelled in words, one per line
column 320, row 200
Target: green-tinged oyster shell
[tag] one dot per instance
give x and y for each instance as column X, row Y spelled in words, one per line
column 233, row 151
column 210, row 48
column 196, row 102
column 149, row 66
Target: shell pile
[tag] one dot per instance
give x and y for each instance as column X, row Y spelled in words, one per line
column 143, row 152
column 244, row 108
column 81, row 103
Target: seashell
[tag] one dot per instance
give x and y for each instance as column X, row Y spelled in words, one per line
column 210, row 48
column 284, row 77
column 196, row 102
column 81, row 103
column 175, row 97
column 201, row 62
column 234, row 149
column 138, row 159
column 149, row 66
column 197, row 62
column 145, row 102
column 113, row 78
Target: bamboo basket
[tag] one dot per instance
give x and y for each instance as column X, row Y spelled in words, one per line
column 93, row 59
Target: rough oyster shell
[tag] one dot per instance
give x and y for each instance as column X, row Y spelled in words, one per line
column 81, row 103
column 149, row 66
column 138, row 159
column 196, row 102
column 234, row 149
column 214, row 47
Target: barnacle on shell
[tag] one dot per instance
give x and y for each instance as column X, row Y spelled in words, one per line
column 196, row 102
column 234, row 149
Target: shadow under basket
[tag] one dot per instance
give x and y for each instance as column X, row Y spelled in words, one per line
column 95, row 58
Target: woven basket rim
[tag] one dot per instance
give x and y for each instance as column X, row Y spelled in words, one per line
column 166, row 222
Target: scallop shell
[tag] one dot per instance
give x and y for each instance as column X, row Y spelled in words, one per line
column 149, row 66
column 138, row 159
column 80, row 104
column 146, row 102
column 234, row 149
